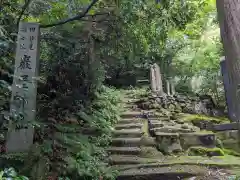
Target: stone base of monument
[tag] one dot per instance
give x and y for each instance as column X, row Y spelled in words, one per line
column 19, row 140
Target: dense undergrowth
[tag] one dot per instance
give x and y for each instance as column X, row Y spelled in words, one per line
column 73, row 151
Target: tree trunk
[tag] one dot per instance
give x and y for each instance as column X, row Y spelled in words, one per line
column 229, row 19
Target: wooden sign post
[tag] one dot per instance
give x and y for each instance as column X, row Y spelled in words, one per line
column 24, row 89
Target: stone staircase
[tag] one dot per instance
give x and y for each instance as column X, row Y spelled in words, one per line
column 143, row 147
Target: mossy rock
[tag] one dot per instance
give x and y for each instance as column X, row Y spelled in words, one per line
column 202, row 151
column 150, row 152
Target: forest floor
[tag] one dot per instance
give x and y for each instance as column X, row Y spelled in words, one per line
column 159, row 147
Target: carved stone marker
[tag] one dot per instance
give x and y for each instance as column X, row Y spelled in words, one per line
column 158, row 76
column 153, row 79
column 168, row 87
column 24, row 88
column 172, row 87
column 227, row 87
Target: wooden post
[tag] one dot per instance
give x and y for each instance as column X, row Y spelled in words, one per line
column 24, row 88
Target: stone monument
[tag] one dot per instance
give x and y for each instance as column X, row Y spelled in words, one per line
column 24, row 88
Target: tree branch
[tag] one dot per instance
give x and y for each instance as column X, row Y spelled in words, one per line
column 77, row 17
column 23, row 10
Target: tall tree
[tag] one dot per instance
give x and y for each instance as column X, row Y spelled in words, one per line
column 229, row 19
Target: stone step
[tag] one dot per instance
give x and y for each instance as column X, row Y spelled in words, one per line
column 129, row 126
column 171, row 129
column 175, row 172
column 168, row 142
column 128, row 159
column 124, row 150
column 126, row 142
column 130, row 120
column 127, row 133
column 131, row 114
column 156, row 124
column 164, row 134
column 206, row 139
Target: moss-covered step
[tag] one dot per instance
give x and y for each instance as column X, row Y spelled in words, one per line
column 131, row 114
column 205, row 139
column 129, row 126
column 129, row 160
column 225, row 162
column 171, row 129
column 175, row 172
column 126, row 142
column 127, row 133
column 156, row 123
column 124, row 150
column 231, row 134
column 168, row 142
column 203, row 151
column 148, row 141
column 200, row 120
column 130, row 120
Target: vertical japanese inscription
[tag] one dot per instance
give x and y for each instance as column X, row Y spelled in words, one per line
column 24, row 88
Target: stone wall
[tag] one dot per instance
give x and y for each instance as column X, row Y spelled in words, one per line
column 182, row 103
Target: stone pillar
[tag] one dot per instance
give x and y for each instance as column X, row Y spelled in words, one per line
column 168, row 87
column 172, row 87
column 227, row 87
column 158, row 76
column 24, row 88
column 153, row 79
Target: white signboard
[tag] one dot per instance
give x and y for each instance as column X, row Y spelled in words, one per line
column 24, row 88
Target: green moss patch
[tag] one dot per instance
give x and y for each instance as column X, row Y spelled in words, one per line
column 202, row 151
column 231, row 152
column 198, row 117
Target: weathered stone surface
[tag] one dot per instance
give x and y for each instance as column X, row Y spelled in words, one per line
column 224, row 127
column 174, row 172
column 168, row 142
column 197, row 139
column 124, row 150
column 131, row 114
column 150, row 152
column 128, row 126
column 129, row 121
column 203, row 151
column 127, row 133
column 148, row 141
column 126, row 142
column 172, row 129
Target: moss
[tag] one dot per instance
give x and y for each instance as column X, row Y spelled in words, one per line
column 231, row 152
column 202, row 151
column 219, row 143
column 197, row 117
column 231, row 144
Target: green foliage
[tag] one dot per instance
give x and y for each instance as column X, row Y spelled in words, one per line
column 76, row 58
column 11, row 174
